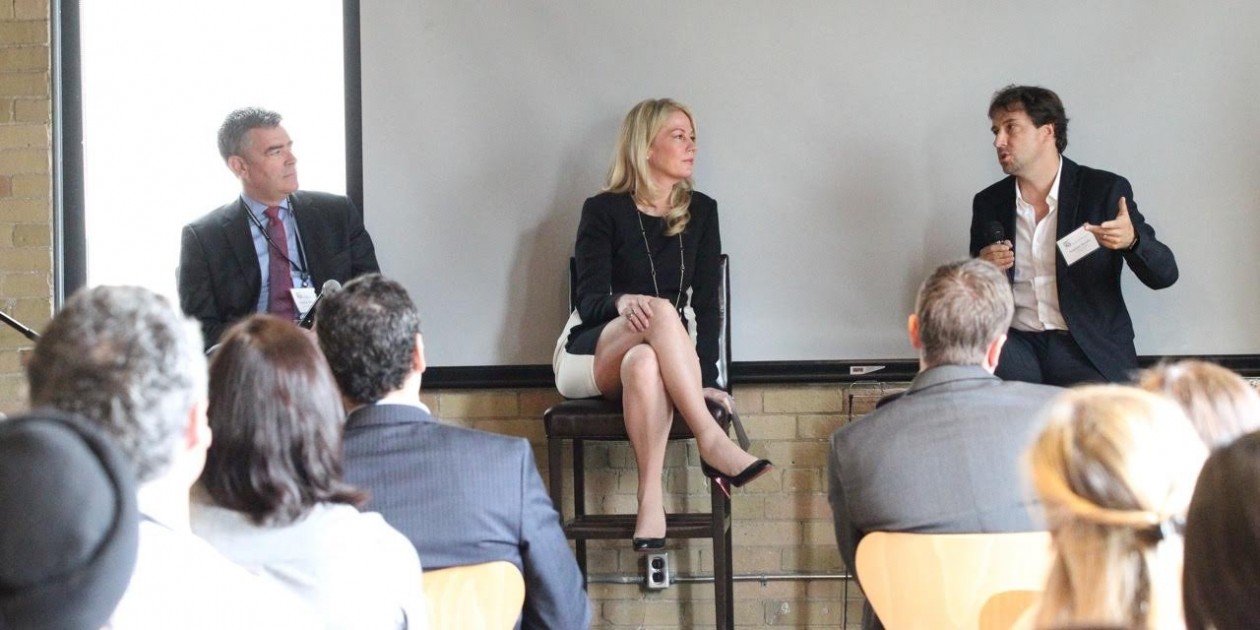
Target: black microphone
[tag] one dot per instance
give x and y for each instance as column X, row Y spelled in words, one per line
column 993, row 232
column 330, row 287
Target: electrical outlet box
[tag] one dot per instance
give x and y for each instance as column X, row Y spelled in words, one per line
column 656, row 570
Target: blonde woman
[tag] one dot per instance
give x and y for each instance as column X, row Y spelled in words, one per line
column 1220, row 404
column 1115, row 468
column 641, row 245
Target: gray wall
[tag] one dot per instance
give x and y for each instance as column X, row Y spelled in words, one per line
column 843, row 141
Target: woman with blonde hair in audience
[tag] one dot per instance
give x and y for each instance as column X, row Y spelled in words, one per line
column 1114, row 468
column 1221, row 588
column 1219, row 403
column 271, row 497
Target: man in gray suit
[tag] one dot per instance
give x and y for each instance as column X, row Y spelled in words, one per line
column 943, row 457
column 461, row 496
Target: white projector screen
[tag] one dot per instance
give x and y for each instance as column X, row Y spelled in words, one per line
column 843, row 141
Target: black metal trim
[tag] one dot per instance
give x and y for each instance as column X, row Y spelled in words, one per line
column 353, row 62
column 765, row 372
column 69, row 235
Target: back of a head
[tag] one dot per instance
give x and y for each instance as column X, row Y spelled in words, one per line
column 962, row 307
column 277, row 421
column 368, row 334
column 1114, row 468
column 1220, row 404
column 70, row 528
column 125, row 359
column 1223, row 540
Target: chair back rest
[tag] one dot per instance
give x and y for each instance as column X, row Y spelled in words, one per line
column 964, row 581
column 484, row 596
column 724, row 326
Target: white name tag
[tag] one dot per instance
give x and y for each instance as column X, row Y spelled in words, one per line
column 1077, row 245
column 303, row 299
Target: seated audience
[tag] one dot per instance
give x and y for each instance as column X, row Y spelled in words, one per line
column 70, row 528
column 1223, row 540
column 461, row 496
column 1219, row 403
column 943, row 457
column 129, row 363
column 271, row 496
column 1115, row 468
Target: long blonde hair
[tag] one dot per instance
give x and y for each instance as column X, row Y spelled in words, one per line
column 629, row 172
column 1115, row 468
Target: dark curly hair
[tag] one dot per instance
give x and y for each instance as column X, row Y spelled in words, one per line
column 368, row 333
column 1042, row 106
column 277, row 422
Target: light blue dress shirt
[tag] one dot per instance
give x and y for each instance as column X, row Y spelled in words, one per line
column 259, row 210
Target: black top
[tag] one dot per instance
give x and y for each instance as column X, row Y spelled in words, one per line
column 612, row 260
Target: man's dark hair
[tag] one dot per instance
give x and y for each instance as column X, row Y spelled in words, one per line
column 1042, row 106
column 277, row 422
column 130, row 362
column 238, row 123
column 368, row 332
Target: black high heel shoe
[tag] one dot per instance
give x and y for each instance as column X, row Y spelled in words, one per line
column 643, row 545
column 754, row 470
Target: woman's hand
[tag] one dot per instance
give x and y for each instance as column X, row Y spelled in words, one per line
column 723, row 398
column 637, row 309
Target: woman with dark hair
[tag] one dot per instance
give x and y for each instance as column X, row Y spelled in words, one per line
column 647, row 248
column 1223, row 540
column 271, row 496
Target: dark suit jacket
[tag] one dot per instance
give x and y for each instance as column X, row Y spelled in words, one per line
column 1089, row 291
column 465, row 497
column 219, row 277
column 945, row 457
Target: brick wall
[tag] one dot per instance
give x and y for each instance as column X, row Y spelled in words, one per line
column 782, row 522
column 25, row 185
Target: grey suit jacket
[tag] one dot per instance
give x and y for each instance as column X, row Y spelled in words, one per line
column 945, row 457
column 465, row 497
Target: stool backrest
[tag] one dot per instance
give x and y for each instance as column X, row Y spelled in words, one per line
column 724, row 301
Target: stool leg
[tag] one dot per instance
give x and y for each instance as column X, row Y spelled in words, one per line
column 723, row 571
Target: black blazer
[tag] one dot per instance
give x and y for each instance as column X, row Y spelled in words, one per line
column 1089, row 291
column 219, row 277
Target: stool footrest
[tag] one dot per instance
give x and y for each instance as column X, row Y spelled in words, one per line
column 613, row 526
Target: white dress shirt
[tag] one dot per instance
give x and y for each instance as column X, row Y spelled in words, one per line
column 1035, row 286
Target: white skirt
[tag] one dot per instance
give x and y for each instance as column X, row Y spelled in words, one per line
column 575, row 373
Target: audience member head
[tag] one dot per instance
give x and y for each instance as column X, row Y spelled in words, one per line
column 124, row 358
column 643, row 130
column 1042, row 106
column 1220, row 404
column 234, row 132
column 1223, row 539
column 277, row 421
column 961, row 315
column 1114, row 468
column 70, row 531
column 370, row 332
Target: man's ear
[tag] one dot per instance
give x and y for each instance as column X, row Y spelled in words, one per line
column 994, row 352
column 237, row 165
column 417, row 357
column 912, row 328
column 197, row 434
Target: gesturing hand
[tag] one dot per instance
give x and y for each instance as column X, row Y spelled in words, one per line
column 1117, row 233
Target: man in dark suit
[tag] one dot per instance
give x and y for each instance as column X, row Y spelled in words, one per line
column 1071, row 324
column 461, row 496
column 268, row 250
column 944, row 456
